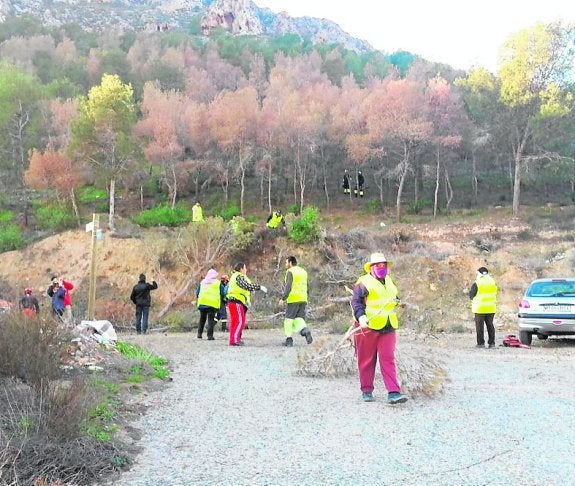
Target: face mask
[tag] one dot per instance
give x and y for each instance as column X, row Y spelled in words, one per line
column 379, row 272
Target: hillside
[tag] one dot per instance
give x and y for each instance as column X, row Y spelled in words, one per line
column 433, row 263
column 242, row 17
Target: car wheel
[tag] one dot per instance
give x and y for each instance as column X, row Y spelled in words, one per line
column 542, row 337
column 525, row 337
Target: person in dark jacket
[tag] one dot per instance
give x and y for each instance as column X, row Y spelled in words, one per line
column 29, row 304
column 345, row 183
column 140, row 296
column 359, row 184
column 58, row 294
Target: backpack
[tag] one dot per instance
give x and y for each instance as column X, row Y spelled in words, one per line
column 512, row 341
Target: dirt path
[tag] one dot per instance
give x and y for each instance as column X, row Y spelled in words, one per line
column 241, row 416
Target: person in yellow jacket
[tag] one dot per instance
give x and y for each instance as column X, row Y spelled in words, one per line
column 483, row 295
column 209, row 299
column 373, row 302
column 295, row 296
column 275, row 220
column 238, row 295
column 197, row 213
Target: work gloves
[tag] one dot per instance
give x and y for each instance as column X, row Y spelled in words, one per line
column 363, row 322
column 264, row 289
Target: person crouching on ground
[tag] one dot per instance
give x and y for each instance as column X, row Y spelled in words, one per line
column 374, row 301
column 238, row 296
column 295, row 296
column 209, row 294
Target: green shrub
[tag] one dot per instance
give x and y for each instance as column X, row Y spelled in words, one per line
column 416, row 207
column 89, row 194
column 10, row 238
column 372, row 206
column 305, row 228
column 6, row 217
column 163, row 215
column 229, row 212
column 293, row 208
column 243, row 233
column 55, row 217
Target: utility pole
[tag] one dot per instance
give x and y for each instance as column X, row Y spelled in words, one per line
column 94, row 226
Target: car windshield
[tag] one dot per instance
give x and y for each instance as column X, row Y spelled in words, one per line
column 552, row 289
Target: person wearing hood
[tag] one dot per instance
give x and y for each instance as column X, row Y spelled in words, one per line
column 483, row 295
column 374, row 300
column 209, row 295
column 142, row 299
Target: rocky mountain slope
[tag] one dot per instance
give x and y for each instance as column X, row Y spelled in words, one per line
column 240, row 17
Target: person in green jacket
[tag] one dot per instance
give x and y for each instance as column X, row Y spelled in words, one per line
column 295, row 296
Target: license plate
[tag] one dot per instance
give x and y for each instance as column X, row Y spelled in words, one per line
column 557, row 308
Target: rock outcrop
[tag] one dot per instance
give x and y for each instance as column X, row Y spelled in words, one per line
column 239, row 17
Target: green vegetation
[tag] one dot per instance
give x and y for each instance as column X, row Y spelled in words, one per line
column 54, row 217
column 10, row 234
column 131, row 351
column 305, row 228
column 164, row 215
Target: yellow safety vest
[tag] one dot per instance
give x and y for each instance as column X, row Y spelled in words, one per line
column 210, row 295
column 236, row 292
column 197, row 213
column 276, row 220
column 298, row 292
column 380, row 302
column 485, row 302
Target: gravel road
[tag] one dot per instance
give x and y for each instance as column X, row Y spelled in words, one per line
column 241, row 416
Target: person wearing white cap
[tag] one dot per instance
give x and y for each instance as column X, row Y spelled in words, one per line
column 374, row 301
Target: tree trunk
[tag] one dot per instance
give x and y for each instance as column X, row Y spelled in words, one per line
column 474, row 181
column 75, row 206
column 435, row 195
column 448, row 192
column 111, row 213
column 270, row 188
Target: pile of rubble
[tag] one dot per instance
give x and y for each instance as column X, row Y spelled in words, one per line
column 83, row 351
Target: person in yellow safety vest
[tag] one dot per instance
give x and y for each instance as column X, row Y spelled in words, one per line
column 197, row 213
column 295, row 296
column 275, row 220
column 238, row 297
column 209, row 298
column 483, row 295
column 374, row 300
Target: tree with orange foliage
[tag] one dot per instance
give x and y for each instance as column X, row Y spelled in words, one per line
column 53, row 170
column 233, row 120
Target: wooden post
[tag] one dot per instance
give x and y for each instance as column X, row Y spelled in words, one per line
column 92, row 289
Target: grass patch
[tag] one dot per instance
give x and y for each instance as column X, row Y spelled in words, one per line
column 133, row 352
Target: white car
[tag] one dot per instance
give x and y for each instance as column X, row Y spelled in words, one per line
column 547, row 309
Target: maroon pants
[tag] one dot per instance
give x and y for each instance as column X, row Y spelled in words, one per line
column 236, row 321
column 369, row 346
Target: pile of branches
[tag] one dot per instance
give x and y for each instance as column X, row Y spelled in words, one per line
column 419, row 370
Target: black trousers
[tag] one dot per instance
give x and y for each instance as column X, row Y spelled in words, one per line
column 480, row 320
column 207, row 314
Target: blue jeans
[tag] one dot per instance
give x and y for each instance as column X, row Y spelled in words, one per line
column 142, row 313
